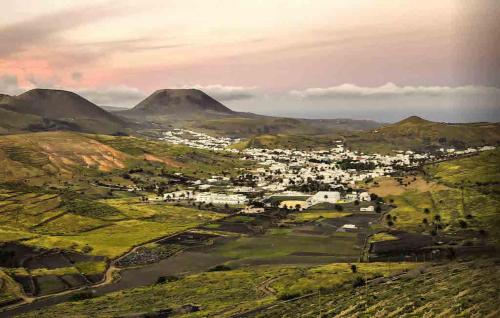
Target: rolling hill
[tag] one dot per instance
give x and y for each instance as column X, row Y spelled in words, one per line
column 48, row 109
column 61, row 156
column 415, row 133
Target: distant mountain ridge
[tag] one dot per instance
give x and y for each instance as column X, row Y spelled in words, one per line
column 49, row 109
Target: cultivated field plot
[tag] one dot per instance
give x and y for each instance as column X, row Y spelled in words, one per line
column 50, row 244
column 136, row 223
column 472, row 290
column 22, row 211
column 309, row 237
column 223, row 293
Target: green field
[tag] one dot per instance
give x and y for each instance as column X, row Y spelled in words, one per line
column 312, row 215
column 277, row 244
column 222, row 293
column 476, row 170
column 142, row 223
column 467, row 289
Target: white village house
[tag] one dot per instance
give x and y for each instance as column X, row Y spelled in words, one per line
column 324, row 197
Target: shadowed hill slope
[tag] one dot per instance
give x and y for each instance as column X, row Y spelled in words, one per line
column 48, row 109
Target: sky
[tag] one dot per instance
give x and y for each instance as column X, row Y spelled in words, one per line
column 382, row 60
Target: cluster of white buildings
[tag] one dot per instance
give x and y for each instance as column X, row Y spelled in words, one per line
column 280, row 170
column 197, row 140
column 453, row 151
column 300, row 201
column 206, row 197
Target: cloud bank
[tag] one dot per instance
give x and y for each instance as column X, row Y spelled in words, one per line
column 121, row 96
column 392, row 90
column 227, row 93
column 9, row 84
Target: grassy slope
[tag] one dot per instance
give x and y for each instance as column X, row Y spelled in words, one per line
column 483, row 168
column 190, row 161
column 56, row 225
column 13, row 122
column 221, row 293
column 478, row 207
column 415, row 133
column 451, row 290
column 60, row 156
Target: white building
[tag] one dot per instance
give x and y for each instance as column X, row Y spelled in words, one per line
column 220, row 198
column 324, row 197
column 179, row 195
column 370, row 208
column 364, row 196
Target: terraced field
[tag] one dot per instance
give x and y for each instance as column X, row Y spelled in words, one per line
column 21, row 212
column 468, row 289
column 221, row 293
column 50, row 242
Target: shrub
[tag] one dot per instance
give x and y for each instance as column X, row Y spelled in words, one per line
column 220, row 268
column 462, row 224
column 81, row 296
column 354, row 268
column 288, row 295
column 358, row 282
column 166, row 279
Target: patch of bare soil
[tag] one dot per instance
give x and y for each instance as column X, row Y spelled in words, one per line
column 167, row 161
column 390, row 186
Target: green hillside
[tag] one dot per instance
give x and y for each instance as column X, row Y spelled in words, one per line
column 261, row 292
column 415, row 133
column 482, row 169
column 59, row 156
